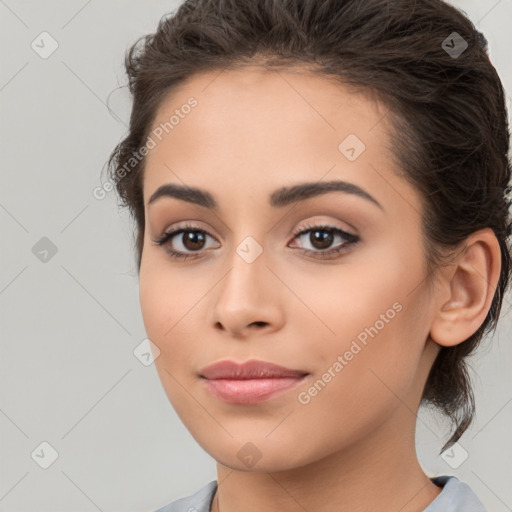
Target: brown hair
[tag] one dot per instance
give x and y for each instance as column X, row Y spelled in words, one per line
column 448, row 111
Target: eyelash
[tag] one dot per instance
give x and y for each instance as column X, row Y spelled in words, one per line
column 350, row 240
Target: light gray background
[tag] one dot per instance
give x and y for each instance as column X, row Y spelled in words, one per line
column 69, row 326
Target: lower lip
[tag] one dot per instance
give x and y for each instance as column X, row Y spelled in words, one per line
column 250, row 391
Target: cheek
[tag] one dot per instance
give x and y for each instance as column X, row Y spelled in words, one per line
column 363, row 374
column 157, row 303
column 165, row 303
column 350, row 302
column 172, row 304
column 166, row 293
column 365, row 327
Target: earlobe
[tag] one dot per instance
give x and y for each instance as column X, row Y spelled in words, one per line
column 470, row 282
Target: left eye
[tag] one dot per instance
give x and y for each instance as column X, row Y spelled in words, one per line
column 322, row 237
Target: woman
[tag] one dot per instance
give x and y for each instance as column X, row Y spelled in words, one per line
column 320, row 197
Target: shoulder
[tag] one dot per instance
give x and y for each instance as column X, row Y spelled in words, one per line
column 456, row 496
column 200, row 501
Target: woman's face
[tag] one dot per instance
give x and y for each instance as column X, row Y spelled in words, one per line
column 349, row 308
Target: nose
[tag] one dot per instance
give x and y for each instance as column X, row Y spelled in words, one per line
column 247, row 299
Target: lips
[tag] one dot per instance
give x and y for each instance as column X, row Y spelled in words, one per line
column 250, row 382
column 252, row 369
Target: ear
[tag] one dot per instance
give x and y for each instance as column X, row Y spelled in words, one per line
column 466, row 289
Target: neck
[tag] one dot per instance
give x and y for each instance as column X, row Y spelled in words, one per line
column 380, row 472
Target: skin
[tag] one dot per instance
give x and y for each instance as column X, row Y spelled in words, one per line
column 352, row 447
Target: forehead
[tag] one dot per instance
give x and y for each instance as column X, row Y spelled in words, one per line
column 261, row 129
column 260, row 102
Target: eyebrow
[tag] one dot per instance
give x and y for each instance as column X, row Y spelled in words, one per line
column 278, row 199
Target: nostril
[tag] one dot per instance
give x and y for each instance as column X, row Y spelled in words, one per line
column 259, row 323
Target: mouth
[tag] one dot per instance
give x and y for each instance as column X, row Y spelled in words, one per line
column 250, row 382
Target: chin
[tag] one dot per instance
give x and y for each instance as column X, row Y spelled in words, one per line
column 252, row 453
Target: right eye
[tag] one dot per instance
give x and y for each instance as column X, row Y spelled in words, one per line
column 192, row 239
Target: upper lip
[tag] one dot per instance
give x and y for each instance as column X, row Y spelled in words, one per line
column 252, row 369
